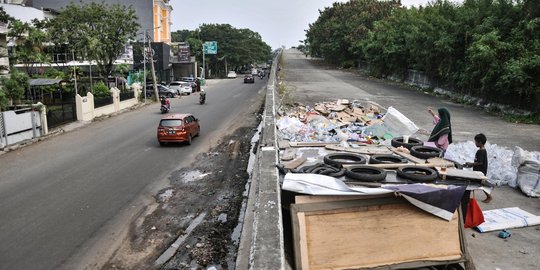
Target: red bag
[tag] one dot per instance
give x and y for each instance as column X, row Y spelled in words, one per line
column 474, row 215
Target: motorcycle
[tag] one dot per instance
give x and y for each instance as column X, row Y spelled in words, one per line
column 202, row 97
column 261, row 76
column 164, row 109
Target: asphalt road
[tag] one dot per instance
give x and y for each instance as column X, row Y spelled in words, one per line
column 310, row 81
column 62, row 196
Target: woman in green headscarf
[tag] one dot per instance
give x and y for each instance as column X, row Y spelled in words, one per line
column 442, row 132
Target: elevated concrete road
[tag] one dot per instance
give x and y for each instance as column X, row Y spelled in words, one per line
column 311, row 82
column 61, row 196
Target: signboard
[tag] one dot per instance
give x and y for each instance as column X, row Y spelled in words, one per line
column 210, row 47
column 184, row 56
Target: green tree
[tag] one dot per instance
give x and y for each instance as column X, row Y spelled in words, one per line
column 180, row 35
column 14, row 86
column 100, row 90
column 30, row 43
column 98, row 30
column 338, row 34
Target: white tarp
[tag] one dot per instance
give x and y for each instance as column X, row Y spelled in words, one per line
column 507, row 218
column 317, row 184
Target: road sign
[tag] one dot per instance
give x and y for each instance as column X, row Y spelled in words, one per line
column 210, row 47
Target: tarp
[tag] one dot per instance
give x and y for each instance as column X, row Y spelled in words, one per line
column 441, row 201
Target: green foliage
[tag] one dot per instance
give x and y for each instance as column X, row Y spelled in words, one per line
column 122, row 69
column 484, row 48
column 97, row 30
column 3, row 100
column 236, row 47
column 180, row 35
column 30, row 42
column 14, row 86
column 340, row 30
column 4, row 17
column 100, row 90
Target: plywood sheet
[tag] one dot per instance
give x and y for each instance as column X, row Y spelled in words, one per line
column 371, row 235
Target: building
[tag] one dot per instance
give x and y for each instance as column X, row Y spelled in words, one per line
column 154, row 20
column 153, row 15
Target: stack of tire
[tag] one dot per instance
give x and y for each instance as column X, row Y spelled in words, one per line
column 417, row 148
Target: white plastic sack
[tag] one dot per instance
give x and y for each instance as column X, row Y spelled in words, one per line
column 528, row 178
column 398, row 124
column 500, row 169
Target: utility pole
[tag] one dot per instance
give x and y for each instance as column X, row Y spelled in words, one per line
column 144, row 64
column 151, row 52
column 204, row 67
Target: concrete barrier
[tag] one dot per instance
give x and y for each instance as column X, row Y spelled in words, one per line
column 86, row 110
column 261, row 243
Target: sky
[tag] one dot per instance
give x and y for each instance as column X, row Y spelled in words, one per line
column 279, row 22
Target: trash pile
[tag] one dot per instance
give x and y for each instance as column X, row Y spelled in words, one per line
column 343, row 121
column 514, row 167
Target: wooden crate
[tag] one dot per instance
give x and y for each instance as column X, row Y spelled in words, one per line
column 339, row 232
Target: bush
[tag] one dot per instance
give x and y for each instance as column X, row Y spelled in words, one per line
column 100, row 90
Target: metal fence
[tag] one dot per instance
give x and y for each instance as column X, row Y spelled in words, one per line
column 59, row 114
column 127, row 95
column 102, row 101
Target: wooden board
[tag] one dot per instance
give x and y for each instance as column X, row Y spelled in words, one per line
column 463, row 174
column 366, row 149
column 295, row 163
column 372, row 233
column 441, row 162
column 409, row 156
column 311, row 144
column 288, row 154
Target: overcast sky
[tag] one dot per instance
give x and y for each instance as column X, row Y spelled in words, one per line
column 279, row 22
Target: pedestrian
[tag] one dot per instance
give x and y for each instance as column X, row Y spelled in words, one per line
column 480, row 163
column 198, row 83
column 442, row 132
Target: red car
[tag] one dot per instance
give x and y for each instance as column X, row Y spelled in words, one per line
column 178, row 128
column 249, row 78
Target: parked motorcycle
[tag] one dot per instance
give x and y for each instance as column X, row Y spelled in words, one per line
column 202, row 97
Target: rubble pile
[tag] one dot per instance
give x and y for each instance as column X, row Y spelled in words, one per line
column 329, row 122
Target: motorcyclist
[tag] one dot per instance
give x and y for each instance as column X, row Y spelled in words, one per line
column 202, row 96
column 165, row 101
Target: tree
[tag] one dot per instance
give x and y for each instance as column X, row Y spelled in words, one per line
column 13, row 88
column 30, row 42
column 180, row 35
column 98, row 30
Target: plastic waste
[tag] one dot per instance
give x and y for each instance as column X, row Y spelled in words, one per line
column 500, row 170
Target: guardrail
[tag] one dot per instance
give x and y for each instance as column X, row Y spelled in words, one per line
column 261, row 244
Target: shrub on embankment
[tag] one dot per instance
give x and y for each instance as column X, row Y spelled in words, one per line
column 484, row 48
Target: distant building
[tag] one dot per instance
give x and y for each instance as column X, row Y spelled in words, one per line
column 153, row 16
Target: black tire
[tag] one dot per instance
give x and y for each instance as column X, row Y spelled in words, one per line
column 161, row 143
column 340, row 159
column 425, row 152
column 190, row 140
column 417, row 174
column 366, row 173
column 387, row 159
column 170, row 95
column 398, row 141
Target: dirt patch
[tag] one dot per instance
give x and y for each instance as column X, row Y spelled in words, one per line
column 213, row 185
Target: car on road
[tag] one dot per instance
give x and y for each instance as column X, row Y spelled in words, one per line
column 178, row 128
column 254, row 72
column 249, row 78
column 182, row 88
column 188, row 79
column 231, row 74
column 162, row 91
